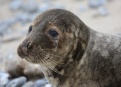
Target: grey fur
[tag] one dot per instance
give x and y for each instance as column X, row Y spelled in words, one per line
column 79, row 57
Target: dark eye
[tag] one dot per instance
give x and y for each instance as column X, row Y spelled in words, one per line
column 53, row 33
column 30, row 29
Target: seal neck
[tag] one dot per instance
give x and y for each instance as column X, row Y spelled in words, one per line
column 73, row 58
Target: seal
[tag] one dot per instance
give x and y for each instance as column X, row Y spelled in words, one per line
column 70, row 53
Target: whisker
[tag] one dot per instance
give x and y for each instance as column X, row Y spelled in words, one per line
column 58, row 85
column 62, row 19
column 52, row 68
column 56, row 62
column 59, row 19
column 54, row 55
column 51, row 73
column 48, row 72
column 56, row 16
column 49, row 65
column 56, row 47
column 45, row 63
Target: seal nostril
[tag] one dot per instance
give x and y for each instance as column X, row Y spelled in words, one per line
column 26, row 46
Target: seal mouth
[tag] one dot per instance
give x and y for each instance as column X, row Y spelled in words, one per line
column 35, row 55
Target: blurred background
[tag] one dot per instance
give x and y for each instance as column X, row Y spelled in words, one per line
column 17, row 15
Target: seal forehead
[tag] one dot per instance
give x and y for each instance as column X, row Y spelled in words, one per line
column 57, row 17
column 47, row 16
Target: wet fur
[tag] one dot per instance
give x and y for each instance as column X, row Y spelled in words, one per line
column 80, row 57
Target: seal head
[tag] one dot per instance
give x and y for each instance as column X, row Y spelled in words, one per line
column 51, row 38
column 57, row 40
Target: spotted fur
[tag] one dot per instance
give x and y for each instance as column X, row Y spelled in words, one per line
column 78, row 57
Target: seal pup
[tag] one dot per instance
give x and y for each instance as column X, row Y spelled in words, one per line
column 70, row 53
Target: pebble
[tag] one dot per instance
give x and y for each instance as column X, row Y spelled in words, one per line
column 48, row 85
column 82, row 8
column 119, row 34
column 43, row 7
column 12, row 37
column 32, row 17
column 5, row 25
column 10, row 21
column 3, row 28
column 17, row 82
column 28, row 84
column 16, row 4
column 4, row 78
column 96, row 3
column 31, row 6
column 60, row 6
column 23, row 17
column 40, row 82
column 1, row 86
column 47, row 1
column 103, row 11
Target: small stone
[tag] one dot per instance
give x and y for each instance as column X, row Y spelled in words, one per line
column 40, row 83
column 31, row 6
column 4, row 78
column 32, row 17
column 96, row 3
column 10, row 56
column 43, row 7
column 1, row 86
column 59, row 6
column 47, row 1
column 3, row 28
column 16, row 4
column 103, row 11
column 6, row 24
column 48, row 85
column 29, row 84
column 10, row 21
column 12, row 37
column 119, row 33
column 17, row 82
column 82, row 8
column 23, row 18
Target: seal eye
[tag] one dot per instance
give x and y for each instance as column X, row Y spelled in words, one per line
column 30, row 29
column 53, row 33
